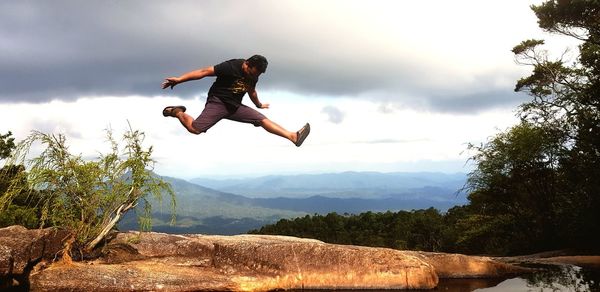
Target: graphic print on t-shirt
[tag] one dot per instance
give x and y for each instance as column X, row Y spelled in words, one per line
column 241, row 85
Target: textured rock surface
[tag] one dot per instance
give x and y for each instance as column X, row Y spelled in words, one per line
column 458, row 266
column 21, row 248
column 554, row 258
column 245, row 262
column 157, row 261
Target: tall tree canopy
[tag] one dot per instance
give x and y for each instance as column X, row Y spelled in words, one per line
column 537, row 185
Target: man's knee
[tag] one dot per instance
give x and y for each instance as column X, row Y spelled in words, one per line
column 198, row 128
column 194, row 131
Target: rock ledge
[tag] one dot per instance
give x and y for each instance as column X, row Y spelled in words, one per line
column 158, row 261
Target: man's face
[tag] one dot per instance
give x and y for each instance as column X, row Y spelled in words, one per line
column 251, row 71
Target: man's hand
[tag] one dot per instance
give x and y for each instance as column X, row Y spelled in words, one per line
column 264, row 105
column 192, row 75
column 170, row 82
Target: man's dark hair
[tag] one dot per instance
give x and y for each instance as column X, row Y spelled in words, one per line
column 259, row 62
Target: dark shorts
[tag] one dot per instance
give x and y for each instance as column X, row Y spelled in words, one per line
column 216, row 110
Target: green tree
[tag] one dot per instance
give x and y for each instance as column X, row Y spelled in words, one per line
column 23, row 211
column 567, row 96
column 450, row 230
column 537, row 185
column 86, row 197
column 514, row 190
column 426, row 230
column 417, row 229
column 7, row 145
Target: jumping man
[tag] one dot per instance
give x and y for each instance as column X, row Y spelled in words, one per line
column 234, row 78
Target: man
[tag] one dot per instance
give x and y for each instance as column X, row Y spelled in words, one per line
column 235, row 78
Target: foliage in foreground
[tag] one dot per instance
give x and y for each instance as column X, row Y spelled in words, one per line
column 21, row 211
column 86, row 197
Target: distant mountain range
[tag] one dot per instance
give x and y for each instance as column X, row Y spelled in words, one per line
column 208, row 211
column 342, row 185
column 234, row 206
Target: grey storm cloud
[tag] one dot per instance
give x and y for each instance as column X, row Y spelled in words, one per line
column 474, row 102
column 67, row 49
column 456, row 102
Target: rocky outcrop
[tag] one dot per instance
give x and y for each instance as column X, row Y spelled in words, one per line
column 21, row 249
column 156, row 261
column 243, row 263
column 459, row 266
column 556, row 257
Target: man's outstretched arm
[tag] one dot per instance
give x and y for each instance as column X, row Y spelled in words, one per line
column 192, row 75
column 254, row 97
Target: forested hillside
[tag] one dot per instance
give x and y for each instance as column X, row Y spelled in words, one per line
column 415, row 230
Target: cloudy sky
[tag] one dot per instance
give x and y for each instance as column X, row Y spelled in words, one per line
column 386, row 85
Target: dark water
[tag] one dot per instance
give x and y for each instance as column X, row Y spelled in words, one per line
column 546, row 278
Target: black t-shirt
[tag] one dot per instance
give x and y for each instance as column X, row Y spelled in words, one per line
column 231, row 84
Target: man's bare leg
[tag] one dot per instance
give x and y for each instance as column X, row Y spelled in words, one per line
column 278, row 130
column 186, row 120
